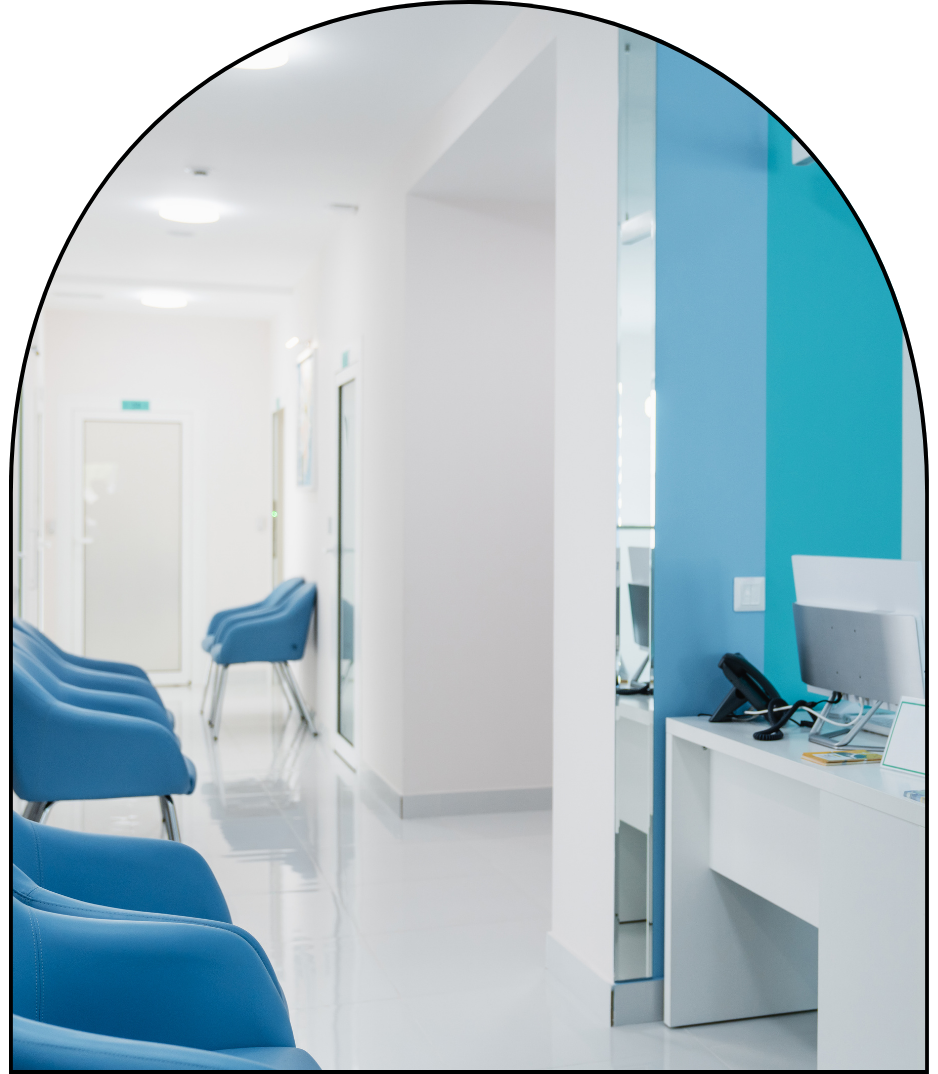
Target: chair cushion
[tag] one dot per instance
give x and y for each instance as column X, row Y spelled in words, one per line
column 277, row 1058
column 40, row 1046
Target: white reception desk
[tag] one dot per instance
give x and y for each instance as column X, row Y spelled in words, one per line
column 790, row 886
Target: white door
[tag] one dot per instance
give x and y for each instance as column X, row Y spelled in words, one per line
column 132, row 505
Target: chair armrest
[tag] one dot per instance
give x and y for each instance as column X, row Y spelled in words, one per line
column 136, row 705
column 117, row 870
column 174, row 983
column 112, row 667
column 35, row 897
column 219, row 617
column 234, row 621
column 39, row 1046
column 61, row 752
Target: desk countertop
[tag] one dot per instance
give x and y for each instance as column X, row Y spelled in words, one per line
column 867, row 784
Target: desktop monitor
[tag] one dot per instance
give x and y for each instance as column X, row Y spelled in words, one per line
column 868, row 654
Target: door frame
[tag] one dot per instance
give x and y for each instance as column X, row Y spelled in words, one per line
column 80, row 415
column 349, row 752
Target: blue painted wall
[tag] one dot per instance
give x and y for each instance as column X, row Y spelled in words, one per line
column 709, row 379
column 834, row 394
column 710, row 385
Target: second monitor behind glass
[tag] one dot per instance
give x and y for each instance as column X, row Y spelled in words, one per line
column 639, row 592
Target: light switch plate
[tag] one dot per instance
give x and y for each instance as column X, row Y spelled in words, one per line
column 748, row 594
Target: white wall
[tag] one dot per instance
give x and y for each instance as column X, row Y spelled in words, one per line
column 215, row 369
column 414, row 718
column 584, row 502
column 28, row 488
column 478, row 501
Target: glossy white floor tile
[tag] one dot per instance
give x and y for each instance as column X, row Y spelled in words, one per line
column 412, row 944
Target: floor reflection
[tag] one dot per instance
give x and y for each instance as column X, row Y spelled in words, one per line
column 417, row 943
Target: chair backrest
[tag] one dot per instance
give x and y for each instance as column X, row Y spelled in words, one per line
column 273, row 599
column 298, row 611
column 36, row 669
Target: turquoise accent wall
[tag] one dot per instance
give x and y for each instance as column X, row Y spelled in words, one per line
column 833, row 394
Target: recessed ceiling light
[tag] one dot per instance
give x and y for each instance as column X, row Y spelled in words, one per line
column 292, row 342
column 164, row 300
column 188, row 211
column 276, row 56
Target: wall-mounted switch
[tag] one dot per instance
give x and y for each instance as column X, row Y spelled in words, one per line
column 748, row 594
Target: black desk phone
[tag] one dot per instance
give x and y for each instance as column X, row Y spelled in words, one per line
column 749, row 684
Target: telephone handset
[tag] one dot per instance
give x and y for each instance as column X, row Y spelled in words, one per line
column 749, row 684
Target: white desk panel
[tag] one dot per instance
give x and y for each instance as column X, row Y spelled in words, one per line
column 764, row 834
column 759, row 842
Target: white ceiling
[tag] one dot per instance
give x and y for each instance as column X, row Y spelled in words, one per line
column 282, row 145
column 504, row 163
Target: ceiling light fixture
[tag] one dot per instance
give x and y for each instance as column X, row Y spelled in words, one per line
column 188, row 211
column 292, row 342
column 164, row 300
column 276, row 56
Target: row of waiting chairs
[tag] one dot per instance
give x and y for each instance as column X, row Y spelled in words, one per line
column 124, row 954
column 272, row 631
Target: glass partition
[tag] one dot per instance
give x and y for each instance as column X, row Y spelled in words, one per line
column 348, row 416
column 635, row 503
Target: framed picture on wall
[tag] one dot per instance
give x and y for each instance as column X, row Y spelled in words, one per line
column 306, row 418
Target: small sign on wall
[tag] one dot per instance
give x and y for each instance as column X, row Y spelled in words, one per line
column 135, row 404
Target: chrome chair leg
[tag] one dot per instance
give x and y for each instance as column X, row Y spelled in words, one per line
column 298, row 697
column 215, row 722
column 283, row 686
column 208, row 682
column 37, row 811
column 213, row 704
column 170, row 820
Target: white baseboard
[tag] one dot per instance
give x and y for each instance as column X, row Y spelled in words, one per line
column 592, row 992
column 637, row 1001
column 456, row 803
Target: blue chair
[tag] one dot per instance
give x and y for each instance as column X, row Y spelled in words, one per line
column 86, row 662
column 276, row 597
column 63, row 666
column 84, row 698
column 151, row 978
column 39, row 1046
column 271, row 636
column 116, row 870
column 62, row 752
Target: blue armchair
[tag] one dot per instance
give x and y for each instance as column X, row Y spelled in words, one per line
column 88, row 677
column 61, row 751
column 101, row 700
column 161, row 980
column 116, row 870
column 86, row 662
column 276, row 597
column 275, row 636
column 39, row 1046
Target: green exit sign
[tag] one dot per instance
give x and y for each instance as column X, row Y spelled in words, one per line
column 135, row 404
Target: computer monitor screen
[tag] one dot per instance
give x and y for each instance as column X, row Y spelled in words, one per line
column 638, row 599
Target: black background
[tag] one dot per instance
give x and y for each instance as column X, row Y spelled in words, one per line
column 85, row 86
